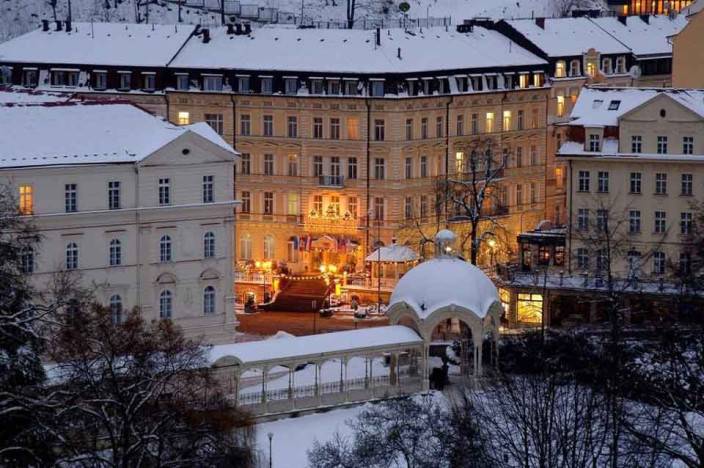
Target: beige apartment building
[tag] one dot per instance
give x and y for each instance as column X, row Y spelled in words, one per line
column 139, row 210
column 688, row 54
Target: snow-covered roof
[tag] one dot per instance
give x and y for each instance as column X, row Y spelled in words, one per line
column 116, row 44
column 442, row 282
column 84, row 133
column 313, row 346
column 12, row 96
column 353, row 51
column 644, row 38
column 564, row 37
column 393, row 253
column 602, row 107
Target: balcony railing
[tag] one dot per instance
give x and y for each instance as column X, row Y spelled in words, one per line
column 330, row 181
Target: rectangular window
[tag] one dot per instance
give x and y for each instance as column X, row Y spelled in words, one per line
column 335, row 168
column 351, row 168
column 408, row 208
column 409, row 129
column 634, row 221
column 636, row 144
column 662, row 145
column 685, row 265
column 246, row 206
column 164, row 191
column 352, row 128
column 293, row 205
column 460, row 125
column 519, row 194
column 208, row 189
column 26, row 199
column 439, row 124
column 534, row 160
column 334, row 129
column 246, row 164
column 149, row 81
column 292, row 126
column 519, row 156
column 660, row 222
column 377, row 88
column 182, row 82
column 113, row 195
column 583, row 179
column 379, row 130
column 352, row 206
column 594, row 142
column 378, row 209
column 317, row 166
column 216, row 122
column 583, row 219
column 489, row 125
column 317, row 127
column 686, row 222
column 184, row 118
column 316, row 86
column 351, row 87
column 603, row 182
column 687, row 183
column 245, row 125
column 408, row 168
column 659, row 263
column 125, row 81
column 243, row 84
column 688, row 145
column 560, row 106
column 268, row 125
column 334, row 87
column 423, row 207
column 379, row 168
column 266, row 85
column 291, row 85
column 635, row 181
column 661, row 183
column 292, row 252
column 475, row 124
column 507, row 120
column 268, row 203
column 269, row 164
column 582, row 258
column 602, row 219
column 71, row 198
column 100, row 80
column 424, row 166
column 292, row 165
column 424, row 128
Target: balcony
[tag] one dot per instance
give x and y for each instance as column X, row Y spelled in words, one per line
column 336, row 181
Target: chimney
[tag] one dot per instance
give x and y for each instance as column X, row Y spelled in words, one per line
column 378, row 36
column 230, row 29
column 540, row 22
column 399, row 53
column 206, row 35
column 247, row 28
column 45, row 25
column 58, row 25
column 68, row 25
column 622, row 19
column 645, row 18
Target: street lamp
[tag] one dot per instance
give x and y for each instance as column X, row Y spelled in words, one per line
column 271, row 436
column 492, row 248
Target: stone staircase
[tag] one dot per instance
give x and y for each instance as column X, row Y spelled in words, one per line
column 299, row 295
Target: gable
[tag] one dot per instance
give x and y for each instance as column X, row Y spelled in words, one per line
column 652, row 110
column 187, row 149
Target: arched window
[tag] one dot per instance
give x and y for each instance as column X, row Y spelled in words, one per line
column 246, row 247
column 268, row 246
column 209, row 245
column 209, row 300
column 115, row 252
column 27, row 260
column 116, row 308
column 166, row 304
column 575, row 68
column 71, row 256
column 165, row 249
column 606, row 66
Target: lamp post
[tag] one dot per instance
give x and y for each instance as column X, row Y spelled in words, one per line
column 271, row 436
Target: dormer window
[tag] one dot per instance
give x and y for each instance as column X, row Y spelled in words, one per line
column 441, row 85
column 64, row 77
column 491, row 82
column 621, row 65
column 575, row 68
column 614, row 105
column 212, row 82
column 182, row 81
column 291, row 85
column 100, row 79
column 560, row 69
column 377, row 88
column 125, row 80
column 523, row 80
column 149, row 81
column 29, row 77
column 538, row 80
column 350, row 87
column 426, row 86
column 477, row 84
column 316, row 86
column 267, row 84
column 606, row 66
column 243, row 84
column 334, row 87
column 594, row 143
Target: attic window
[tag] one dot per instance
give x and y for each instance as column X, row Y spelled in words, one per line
column 663, row 113
column 614, row 105
column 597, row 103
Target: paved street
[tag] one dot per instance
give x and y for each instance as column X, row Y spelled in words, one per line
column 301, row 323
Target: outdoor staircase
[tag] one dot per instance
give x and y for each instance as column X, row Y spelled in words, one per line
column 299, row 295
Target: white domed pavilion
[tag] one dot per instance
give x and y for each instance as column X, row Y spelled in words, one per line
column 449, row 298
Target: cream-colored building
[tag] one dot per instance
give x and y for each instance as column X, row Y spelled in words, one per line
column 688, row 54
column 139, row 209
column 636, row 161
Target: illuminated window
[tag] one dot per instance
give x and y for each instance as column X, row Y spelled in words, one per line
column 530, row 308
column 26, row 199
column 560, row 69
column 459, row 162
column 560, row 106
column 507, row 120
column 352, row 128
column 591, row 68
column 489, row 122
column 184, row 118
column 293, row 203
column 523, row 80
column 537, row 80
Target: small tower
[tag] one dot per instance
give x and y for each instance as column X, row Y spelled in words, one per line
column 445, row 243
